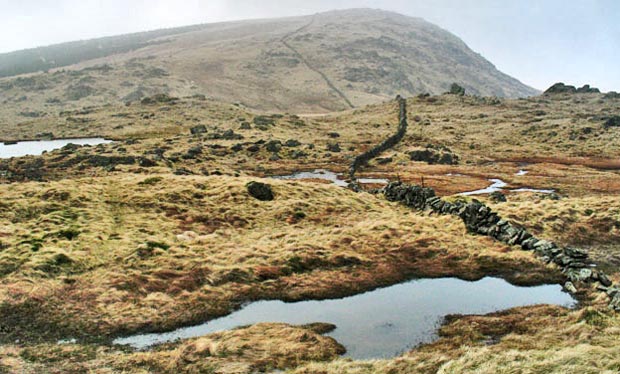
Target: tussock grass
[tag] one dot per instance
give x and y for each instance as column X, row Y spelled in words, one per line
column 261, row 347
column 97, row 252
column 153, row 257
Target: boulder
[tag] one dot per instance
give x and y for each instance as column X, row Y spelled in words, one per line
column 200, row 129
column 260, row 191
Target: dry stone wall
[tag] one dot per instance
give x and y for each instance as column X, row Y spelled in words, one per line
column 480, row 219
column 388, row 143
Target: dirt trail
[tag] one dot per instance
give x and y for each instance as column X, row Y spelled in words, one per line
column 309, row 65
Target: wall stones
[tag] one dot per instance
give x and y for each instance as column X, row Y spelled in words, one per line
column 390, row 142
column 480, row 219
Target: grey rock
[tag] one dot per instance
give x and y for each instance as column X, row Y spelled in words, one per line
column 570, row 287
column 604, row 279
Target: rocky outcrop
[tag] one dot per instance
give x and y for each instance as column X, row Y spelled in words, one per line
column 388, row 143
column 561, row 88
column 588, row 89
column 480, row 219
column 434, row 155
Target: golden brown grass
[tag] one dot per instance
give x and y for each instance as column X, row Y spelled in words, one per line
column 152, row 257
column 255, row 348
column 95, row 252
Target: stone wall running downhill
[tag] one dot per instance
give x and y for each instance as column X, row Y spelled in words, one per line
column 480, row 219
column 388, row 143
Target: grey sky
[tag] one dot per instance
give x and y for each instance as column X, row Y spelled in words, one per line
column 540, row 42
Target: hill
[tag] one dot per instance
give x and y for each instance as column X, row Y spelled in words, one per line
column 320, row 63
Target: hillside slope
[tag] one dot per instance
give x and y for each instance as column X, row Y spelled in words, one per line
column 325, row 62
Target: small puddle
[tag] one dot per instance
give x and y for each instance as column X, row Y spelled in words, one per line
column 382, row 323
column 499, row 185
column 328, row 176
column 37, row 147
column 373, row 181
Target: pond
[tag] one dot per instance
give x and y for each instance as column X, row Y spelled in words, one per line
column 329, row 176
column 382, row 323
column 37, row 147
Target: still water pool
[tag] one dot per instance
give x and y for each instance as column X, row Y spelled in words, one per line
column 381, row 323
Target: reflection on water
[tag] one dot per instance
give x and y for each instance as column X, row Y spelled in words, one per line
column 37, row 147
column 384, row 322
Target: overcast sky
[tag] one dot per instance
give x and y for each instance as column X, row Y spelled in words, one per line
column 539, row 42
